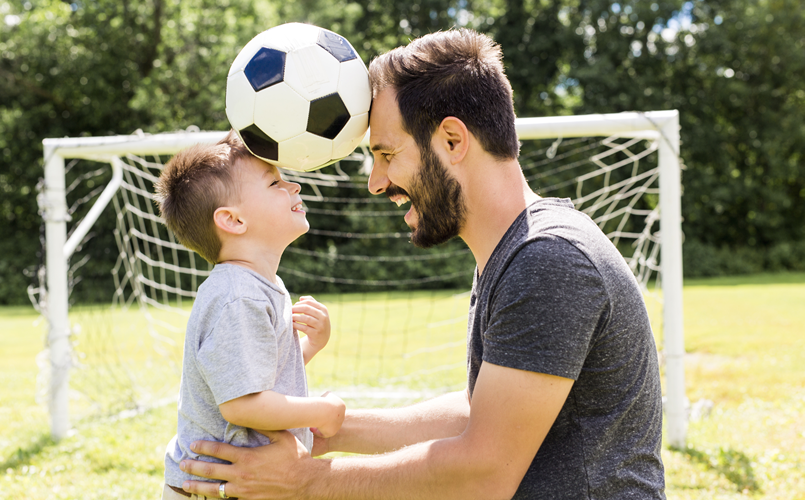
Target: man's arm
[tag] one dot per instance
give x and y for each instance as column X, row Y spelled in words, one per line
column 269, row 410
column 384, row 430
column 511, row 413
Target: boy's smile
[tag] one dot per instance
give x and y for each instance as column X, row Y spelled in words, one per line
column 272, row 207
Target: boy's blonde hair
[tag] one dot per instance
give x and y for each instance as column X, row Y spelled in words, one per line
column 195, row 183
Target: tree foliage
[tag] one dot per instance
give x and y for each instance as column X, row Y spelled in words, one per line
column 731, row 67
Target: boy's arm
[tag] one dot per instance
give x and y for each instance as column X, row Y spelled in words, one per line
column 311, row 318
column 269, row 410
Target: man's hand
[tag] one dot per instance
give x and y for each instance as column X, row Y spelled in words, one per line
column 247, row 477
column 321, row 446
column 311, row 318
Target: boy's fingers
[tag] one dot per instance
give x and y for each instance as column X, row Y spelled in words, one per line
column 308, row 308
column 306, row 329
column 306, row 319
column 312, row 304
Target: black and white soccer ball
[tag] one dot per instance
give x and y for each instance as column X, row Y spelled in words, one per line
column 298, row 96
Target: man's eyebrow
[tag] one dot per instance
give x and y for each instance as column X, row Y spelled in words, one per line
column 379, row 147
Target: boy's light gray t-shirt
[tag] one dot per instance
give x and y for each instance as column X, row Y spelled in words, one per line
column 240, row 340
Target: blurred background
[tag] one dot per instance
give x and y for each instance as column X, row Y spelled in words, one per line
column 733, row 68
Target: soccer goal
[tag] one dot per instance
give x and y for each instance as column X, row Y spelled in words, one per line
column 399, row 313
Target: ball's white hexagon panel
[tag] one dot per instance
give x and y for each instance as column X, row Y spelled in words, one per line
column 280, row 112
column 312, row 72
column 290, row 36
column 354, row 88
column 351, row 135
column 305, row 152
column 240, row 98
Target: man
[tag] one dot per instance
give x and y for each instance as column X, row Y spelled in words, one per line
column 563, row 397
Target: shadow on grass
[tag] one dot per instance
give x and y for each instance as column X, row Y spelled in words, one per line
column 23, row 455
column 733, row 465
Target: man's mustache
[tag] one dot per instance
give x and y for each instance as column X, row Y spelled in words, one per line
column 395, row 190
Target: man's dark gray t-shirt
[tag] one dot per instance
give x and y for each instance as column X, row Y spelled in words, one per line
column 557, row 298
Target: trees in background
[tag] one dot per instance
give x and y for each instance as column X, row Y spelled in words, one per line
column 732, row 68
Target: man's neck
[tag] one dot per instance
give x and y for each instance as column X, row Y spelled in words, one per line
column 495, row 197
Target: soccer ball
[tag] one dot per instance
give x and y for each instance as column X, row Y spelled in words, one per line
column 298, row 96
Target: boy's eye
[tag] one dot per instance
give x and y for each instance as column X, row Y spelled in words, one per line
column 274, row 183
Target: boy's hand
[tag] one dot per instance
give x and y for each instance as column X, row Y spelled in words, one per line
column 312, row 318
column 333, row 417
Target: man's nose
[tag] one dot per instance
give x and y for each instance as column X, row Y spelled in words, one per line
column 378, row 179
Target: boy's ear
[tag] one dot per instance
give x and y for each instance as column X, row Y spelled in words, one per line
column 228, row 220
column 453, row 138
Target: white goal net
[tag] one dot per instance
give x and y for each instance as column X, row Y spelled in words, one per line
column 399, row 313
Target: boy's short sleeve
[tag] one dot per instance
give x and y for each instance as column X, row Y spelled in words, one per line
column 239, row 355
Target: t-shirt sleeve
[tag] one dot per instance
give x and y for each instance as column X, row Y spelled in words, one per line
column 239, row 355
column 548, row 303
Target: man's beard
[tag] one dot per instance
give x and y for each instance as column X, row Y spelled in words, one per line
column 438, row 200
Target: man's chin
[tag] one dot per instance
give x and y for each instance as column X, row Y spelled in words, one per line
column 422, row 239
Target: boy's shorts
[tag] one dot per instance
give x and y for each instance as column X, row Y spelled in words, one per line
column 169, row 493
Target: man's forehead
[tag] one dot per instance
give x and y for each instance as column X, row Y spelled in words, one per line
column 385, row 121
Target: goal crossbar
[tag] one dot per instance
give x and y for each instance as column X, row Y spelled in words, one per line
column 662, row 126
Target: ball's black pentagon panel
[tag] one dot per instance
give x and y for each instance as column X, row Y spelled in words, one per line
column 337, row 46
column 265, row 69
column 259, row 143
column 327, row 116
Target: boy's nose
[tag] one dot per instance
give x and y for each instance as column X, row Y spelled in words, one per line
column 294, row 187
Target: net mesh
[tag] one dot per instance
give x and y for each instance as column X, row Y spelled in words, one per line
column 399, row 313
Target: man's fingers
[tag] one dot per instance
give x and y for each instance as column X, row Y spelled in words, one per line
column 205, row 488
column 275, row 436
column 218, row 450
column 209, row 470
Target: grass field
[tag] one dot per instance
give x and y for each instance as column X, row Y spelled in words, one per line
column 745, row 338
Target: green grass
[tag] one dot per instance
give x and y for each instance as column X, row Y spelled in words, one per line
column 745, row 337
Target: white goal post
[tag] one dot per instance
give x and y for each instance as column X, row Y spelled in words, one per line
column 659, row 126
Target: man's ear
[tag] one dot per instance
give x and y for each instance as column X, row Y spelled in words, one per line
column 454, row 139
column 228, row 220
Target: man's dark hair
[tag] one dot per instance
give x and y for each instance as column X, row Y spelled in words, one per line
column 453, row 73
column 193, row 185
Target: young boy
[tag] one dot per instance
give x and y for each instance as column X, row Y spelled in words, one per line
column 243, row 369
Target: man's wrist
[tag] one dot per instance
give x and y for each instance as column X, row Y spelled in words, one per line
column 312, row 478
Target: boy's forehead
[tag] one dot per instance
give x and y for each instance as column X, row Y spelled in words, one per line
column 258, row 166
